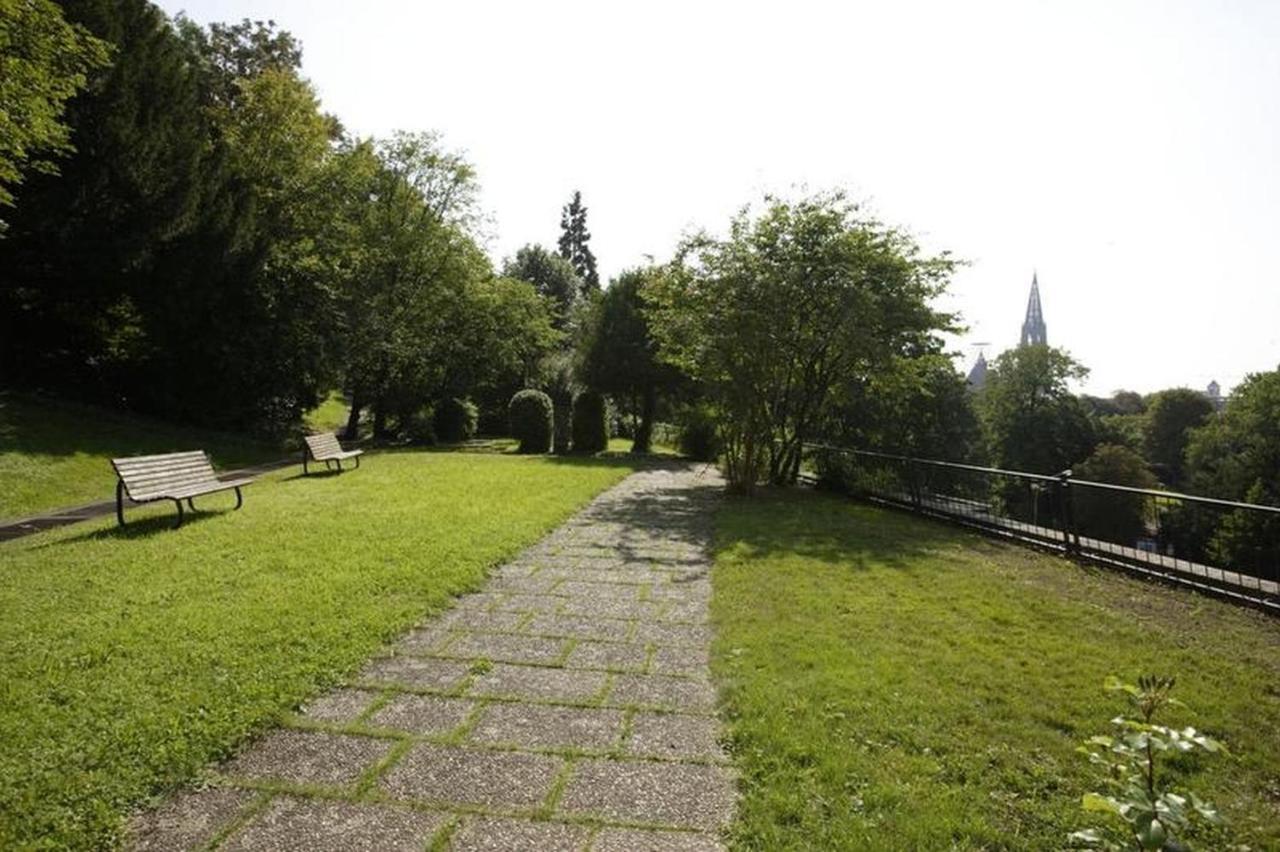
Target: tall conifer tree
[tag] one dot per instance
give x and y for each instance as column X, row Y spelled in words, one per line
column 574, row 237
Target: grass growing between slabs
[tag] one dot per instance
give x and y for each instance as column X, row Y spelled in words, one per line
column 57, row 454
column 129, row 659
column 893, row 683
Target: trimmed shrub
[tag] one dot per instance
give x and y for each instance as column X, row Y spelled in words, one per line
column 532, row 421
column 456, row 420
column 590, row 432
column 698, row 436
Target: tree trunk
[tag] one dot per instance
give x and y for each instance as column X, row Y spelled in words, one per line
column 644, row 432
column 379, row 421
column 352, row 431
column 563, row 419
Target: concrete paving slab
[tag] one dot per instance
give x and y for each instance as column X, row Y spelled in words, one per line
column 490, row 834
column 580, row 627
column 340, row 706
column 662, row 693
column 569, row 686
column 415, row 672
column 497, row 779
column 189, row 820
column 317, row 825
column 538, row 726
column 636, row 840
column 675, row 737
column 423, row 714
column 613, row 656
column 675, row 794
column 507, row 648
column 308, row 757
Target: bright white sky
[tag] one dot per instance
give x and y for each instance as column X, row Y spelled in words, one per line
column 1129, row 152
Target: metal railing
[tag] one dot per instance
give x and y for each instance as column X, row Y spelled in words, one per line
column 1225, row 547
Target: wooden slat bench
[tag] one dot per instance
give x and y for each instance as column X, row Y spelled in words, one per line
column 171, row 476
column 326, row 448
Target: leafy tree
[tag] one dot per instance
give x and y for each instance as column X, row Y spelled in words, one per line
column 44, row 61
column 1119, row 517
column 232, row 53
column 1128, row 402
column 574, row 237
column 141, row 218
column 411, row 276
column 1237, row 457
column 774, row 318
column 1171, row 415
column 915, row 406
column 620, row 356
column 1032, row 421
column 551, row 275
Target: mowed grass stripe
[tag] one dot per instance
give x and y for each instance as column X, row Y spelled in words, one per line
column 129, row 659
column 895, row 684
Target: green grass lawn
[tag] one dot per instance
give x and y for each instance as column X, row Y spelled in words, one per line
column 131, row 658
column 893, row 683
column 57, row 454
column 329, row 416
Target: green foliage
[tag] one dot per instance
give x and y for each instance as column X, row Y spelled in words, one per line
column 893, row 684
column 915, row 406
column 1144, row 816
column 1112, row 516
column 1171, row 415
column 134, row 659
column 1032, row 421
column 619, row 354
column 1236, row 456
column 1126, row 430
column 532, row 422
column 774, row 318
column 590, row 431
column 456, row 420
column 573, row 247
column 44, row 61
column 699, row 438
column 551, row 275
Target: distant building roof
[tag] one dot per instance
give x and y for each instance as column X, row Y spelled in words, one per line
column 1033, row 330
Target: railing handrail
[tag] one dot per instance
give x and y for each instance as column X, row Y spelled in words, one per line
column 1169, row 495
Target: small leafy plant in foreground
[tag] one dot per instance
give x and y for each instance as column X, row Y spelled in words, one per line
column 1144, row 817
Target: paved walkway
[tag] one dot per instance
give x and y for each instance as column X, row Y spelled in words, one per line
column 568, row 706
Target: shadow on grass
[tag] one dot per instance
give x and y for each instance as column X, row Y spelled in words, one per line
column 139, row 528
column 831, row 529
column 327, row 473
column 53, row 427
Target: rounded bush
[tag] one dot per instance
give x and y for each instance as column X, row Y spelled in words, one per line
column 698, row 437
column 532, row 421
column 590, row 430
column 456, row 420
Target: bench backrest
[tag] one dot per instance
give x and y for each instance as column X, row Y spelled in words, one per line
column 146, row 475
column 323, row 445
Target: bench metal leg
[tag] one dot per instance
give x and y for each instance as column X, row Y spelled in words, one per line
column 120, row 502
column 239, row 499
column 178, row 503
column 190, row 504
column 357, row 462
column 338, row 462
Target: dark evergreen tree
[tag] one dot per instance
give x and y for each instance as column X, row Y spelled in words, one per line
column 574, row 237
column 79, row 272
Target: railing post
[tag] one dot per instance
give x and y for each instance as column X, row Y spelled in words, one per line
column 913, row 474
column 1066, row 509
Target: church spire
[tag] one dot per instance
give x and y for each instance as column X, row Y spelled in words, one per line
column 1033, row 331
